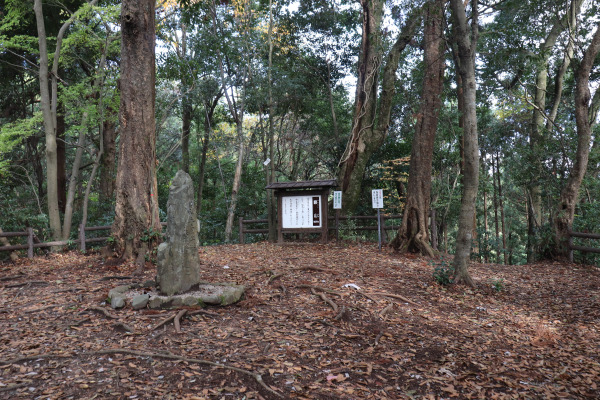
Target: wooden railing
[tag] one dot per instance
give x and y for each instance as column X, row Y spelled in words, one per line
column 34, row 243
column 585, row 249
column 333, row 225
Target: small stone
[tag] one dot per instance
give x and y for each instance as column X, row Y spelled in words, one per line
column 118, row 291
column 176, row 301
column 190, row 301
column 117, row 301
column 155, row 303
column 140, row 301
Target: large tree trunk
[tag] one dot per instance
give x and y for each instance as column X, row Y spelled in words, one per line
column 466, row 44
column 570, row 193
column 413, row 234
column 538, row 122
column 371, row 115
column 136, row 210
column 363, row 140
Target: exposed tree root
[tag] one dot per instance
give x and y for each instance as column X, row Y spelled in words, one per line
column 164, row 322
column 322, row 289
column 273, row 277
column 386, row 310
column 100, row 310
column 311, row 268
column 177, row 320
column 395, row 296
column 30, row 283
column 257, row 377
column 325, row 299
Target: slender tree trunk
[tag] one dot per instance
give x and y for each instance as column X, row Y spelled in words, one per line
column 466, row 43
column 570, row 193
column 61, row 161
column 237, row 179
column 108, row 162
column 49, row 104
column 413, row 234
column 270, row 168
column 186, row 104
column 496, row 207
column 485, row 212
column 136, row 210
column 49, row 126
column 501, row 204
column 202, row 167
column 74, row 179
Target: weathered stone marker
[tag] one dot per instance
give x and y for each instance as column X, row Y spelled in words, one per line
column 177, row 258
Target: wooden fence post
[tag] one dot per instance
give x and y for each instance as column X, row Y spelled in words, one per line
column 241, row 233
column 29, row 242
column 570, row 247
column 81, row 237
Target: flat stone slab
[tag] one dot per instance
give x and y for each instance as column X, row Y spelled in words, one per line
column 202, row 294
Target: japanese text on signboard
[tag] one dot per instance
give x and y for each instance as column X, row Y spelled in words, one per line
column 301, row 211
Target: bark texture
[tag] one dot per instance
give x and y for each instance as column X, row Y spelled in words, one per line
column 413, row 234
column 570, row 193
column 371, row 114
column 539, row 119
column 466, row 41
column 136, row 210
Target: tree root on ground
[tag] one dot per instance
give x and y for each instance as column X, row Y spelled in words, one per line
column 169, row 356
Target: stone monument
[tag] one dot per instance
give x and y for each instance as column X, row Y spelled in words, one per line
column 177, row 258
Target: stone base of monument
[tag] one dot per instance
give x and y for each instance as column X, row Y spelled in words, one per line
column 145, row 295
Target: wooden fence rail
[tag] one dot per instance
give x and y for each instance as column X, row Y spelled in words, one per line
column 333, row 224
column 34, row 243
column 584, row 235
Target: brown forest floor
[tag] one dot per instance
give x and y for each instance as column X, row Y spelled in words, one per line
column 401, row 336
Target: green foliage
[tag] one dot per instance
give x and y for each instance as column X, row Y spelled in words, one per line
column 443, row 271
column 497, row 284
column 13, row 134
column 150, row 235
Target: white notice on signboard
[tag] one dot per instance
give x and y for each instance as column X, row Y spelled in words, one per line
column 377, row 196
column 337, row 200
column 301, row 212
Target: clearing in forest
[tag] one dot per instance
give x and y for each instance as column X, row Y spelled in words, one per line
column 337, row 321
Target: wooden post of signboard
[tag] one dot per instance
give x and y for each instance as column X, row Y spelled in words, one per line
column 279, row 217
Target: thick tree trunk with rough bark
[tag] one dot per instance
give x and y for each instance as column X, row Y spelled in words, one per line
column 136, row 210
column 413, row 234
column 371, row 113
column 570, row 193
column 539, row 120
column 466, row 43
